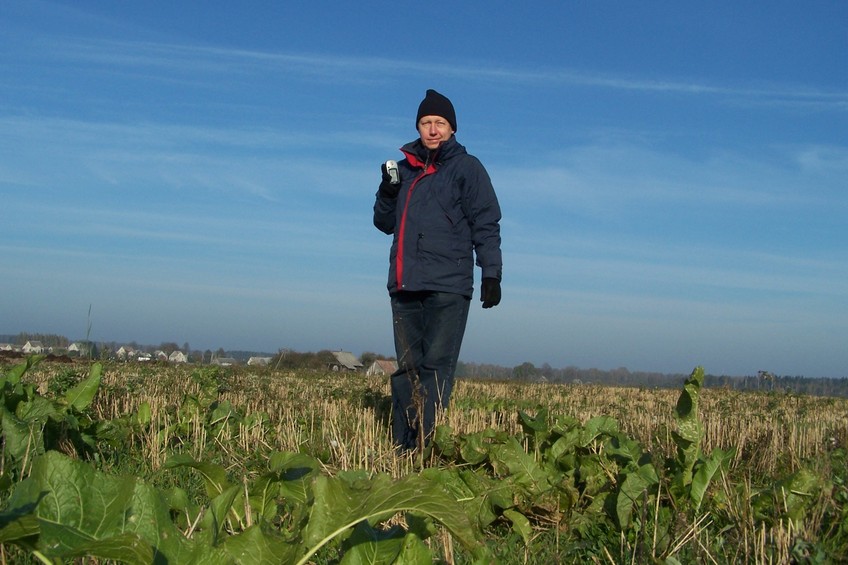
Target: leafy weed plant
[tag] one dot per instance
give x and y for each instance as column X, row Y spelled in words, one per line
column 235, row 478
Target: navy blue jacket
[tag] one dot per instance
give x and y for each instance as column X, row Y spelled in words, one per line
column 446, row 211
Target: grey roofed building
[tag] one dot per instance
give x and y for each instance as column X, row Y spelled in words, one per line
column 224, row 361
column 382, row 367
column 346, row 360
column 33, row 347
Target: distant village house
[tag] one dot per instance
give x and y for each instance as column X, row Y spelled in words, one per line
column 125, row 352
column 224, row 361
column 178, row 357
column 381, row 367
column 345, row 361
column 33, row 348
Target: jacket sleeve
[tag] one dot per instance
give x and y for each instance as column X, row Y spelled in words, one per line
column 385, row 215
column 484, row 215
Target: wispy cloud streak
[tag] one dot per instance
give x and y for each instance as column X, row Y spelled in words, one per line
column 195, row 59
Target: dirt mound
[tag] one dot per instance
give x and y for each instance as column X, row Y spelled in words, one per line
column 59, row 359
column 17, row 356
column 11, row 355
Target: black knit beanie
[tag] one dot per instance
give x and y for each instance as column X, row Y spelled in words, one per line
column 435, row 104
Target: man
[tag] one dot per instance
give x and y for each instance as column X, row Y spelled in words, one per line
column 441, row 213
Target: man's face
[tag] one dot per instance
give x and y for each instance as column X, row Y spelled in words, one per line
column 434, row 131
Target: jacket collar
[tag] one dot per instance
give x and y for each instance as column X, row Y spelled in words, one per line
column 418, row 155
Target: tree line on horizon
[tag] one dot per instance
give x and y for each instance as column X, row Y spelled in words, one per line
column 287, row 359
column 763, row 381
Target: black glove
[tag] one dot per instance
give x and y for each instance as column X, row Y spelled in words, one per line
column 387, row 189
column 490, row 292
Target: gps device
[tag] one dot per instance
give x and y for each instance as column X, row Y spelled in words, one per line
column 392, row 169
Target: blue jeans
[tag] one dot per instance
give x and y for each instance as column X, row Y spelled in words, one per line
column 428, row 329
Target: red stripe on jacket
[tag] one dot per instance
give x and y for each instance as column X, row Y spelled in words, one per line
column 429, row 170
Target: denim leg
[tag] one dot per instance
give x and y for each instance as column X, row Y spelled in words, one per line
column 428, row 330
column 408, row 323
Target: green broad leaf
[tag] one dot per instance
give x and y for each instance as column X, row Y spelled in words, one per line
column 295, row 472
column 78, row 509
column 520, row 525
column 632, row 489
column 339, row 505
column 689, row 430
column 215, row 517
column 473, row 448
column 71, row 422
column 707, row 469
column 126, row 547
column 535, row 426
column 81, row 396
column 184, row 509
column 20, row 437
column 18, row 524
column 493, row 501
column 114, row 432
column 567, row 494
column 444, row 442
column 414, row 552
column 421, row 525
column 687, row 403
column 178, row 499
column 598, row 426
column 798, row 492
column 591, row 475
column 214, row 476
column 190, row 410
column 200, row 553
column 592, row 516
column 563, row 424
column 452, row 480
column 536, row 423
column 223, row 413
column 595, row 510
column 263, row 495
column 16, row 373
column 209, row 386
column 626, row 451
column 510, row 459
column 257, row 419
column 6, row 483
column 255, row 546
column 482, row 497
column 565, row 444
column 372, row 546
column 287, row 461
column 37, row 409
column 143, row 414
column 148, row 516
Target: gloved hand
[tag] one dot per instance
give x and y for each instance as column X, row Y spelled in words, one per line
column 387, row 189
column 490, row 292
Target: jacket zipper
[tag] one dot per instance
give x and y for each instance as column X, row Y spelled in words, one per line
column 402, row 234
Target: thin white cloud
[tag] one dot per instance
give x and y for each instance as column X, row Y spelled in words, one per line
column 824, row 159
column 195, row 59
column 107, row 134
column 603, row 179
column 670, row 269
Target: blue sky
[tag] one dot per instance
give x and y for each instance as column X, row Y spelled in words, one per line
column 672, row 175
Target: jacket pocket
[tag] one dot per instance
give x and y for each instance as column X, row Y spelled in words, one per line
column 448, row 200
column 439, row 248
column 444, row 263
